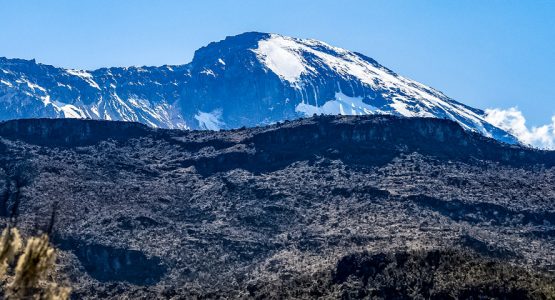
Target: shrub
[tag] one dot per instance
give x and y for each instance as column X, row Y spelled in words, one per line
column 28, row 278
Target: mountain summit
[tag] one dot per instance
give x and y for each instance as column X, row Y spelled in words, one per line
column 246, row 80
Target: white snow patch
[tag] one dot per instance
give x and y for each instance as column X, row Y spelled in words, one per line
column 34, row 86
column 63, row 85
column 85, row 76
column 401, row 108
column 94, row 110
column 280, row 55
column 69, row 110
column 123, row 110
column 6, row 83
column 341, row 105
column 210, row 121
column 140, row 103
column 45, row 100
column 208, row 72
column 221, row 61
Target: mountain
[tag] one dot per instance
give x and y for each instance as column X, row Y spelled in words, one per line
column 332, row 207
column 251, row 79
column 148, row 95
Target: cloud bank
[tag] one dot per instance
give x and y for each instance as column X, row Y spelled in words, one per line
column 513, row 121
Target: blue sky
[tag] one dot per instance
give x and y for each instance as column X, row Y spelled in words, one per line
column 487, row 54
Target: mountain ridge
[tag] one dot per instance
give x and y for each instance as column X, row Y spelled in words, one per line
column 248, row 80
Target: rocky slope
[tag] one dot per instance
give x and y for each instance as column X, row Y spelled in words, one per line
column 248, row 80
column 332, row 207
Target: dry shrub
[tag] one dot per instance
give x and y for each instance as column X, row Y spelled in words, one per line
column 10, row 246
column 28, row 278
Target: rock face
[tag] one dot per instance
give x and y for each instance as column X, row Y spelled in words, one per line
column 148, row 95
column 329, row 206
column 251, row 79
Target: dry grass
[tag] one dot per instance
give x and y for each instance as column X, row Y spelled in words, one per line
column 29, row 278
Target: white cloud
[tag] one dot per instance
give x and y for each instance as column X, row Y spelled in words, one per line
column 513, row 121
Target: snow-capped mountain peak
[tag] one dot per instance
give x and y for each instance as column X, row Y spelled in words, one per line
column 299, row 62
column 245, row 80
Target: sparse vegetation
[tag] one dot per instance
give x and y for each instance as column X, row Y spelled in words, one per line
column 29, row 278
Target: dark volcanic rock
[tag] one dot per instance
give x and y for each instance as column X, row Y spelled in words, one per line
column 69, row 132
column 108, row 264
column 312, row 208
